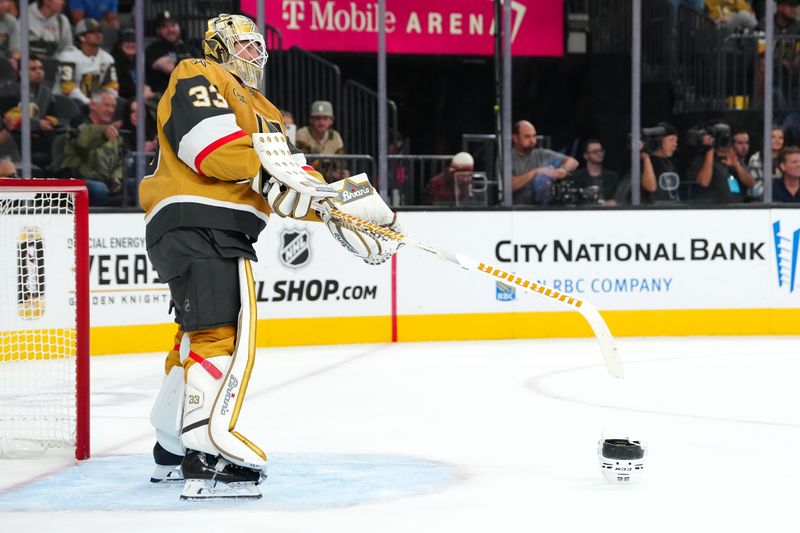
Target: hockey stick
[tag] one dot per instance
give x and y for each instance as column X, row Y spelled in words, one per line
column 607, row 345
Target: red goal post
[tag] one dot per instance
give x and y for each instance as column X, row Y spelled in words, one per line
column 44, row 316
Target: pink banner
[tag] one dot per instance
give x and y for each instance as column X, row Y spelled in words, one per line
column 463, row 27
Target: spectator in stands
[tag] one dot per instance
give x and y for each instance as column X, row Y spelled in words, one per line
column 124, row 54
column 49, row 30
column 594, row 174
column 7, row 168
column 720, row 175
column 741, row 147
column 161, row 56
column 130, row 125
column 289, row 126
column 451, row 186
column 741, row 144
column 732, row 15
column 756, row 165
column 103, row 11
column 42, row 116
column 94, row 151
column 787, row 188
column 9, row 34
column 660, row 178
column 87, row 68
column 319, row 138
column 534, row 169
column 785, row 18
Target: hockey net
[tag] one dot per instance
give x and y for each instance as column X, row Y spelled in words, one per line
column 44, row 317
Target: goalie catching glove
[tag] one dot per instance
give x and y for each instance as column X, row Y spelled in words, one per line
column 355, row 196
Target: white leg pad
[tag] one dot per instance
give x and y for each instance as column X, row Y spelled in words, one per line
column 212, row 405
column 202, row 387
column 168, row 410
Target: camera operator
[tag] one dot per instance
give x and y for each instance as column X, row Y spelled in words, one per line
column 660, row 179
column 720, row 175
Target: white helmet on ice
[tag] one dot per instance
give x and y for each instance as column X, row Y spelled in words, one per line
column 234, row 42
column 621, row 460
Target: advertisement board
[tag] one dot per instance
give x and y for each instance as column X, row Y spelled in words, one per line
column 618, row 260
column 462, row 27
column 660, row 272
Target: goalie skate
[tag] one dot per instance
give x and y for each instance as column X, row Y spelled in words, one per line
column 210, row 477
column 166, row 473
column 168, row 466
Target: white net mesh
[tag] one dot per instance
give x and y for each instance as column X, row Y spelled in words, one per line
column 37, row 321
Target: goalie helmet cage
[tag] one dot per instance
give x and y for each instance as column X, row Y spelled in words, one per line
column 44, row 316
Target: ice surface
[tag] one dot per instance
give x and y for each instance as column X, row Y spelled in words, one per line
column 463, row 436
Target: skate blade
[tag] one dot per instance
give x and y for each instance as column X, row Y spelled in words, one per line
column 166, row 474
column 207, row 489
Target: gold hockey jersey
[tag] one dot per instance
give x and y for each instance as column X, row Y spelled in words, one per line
column 206, row 161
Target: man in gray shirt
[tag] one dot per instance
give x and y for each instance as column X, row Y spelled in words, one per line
column 534, row 169
column 9, row 34
column 49, row 29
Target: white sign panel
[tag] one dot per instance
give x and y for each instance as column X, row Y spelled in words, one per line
column 301, row 272
column 618, row 260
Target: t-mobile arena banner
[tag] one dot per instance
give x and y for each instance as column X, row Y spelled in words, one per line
column 461, row 27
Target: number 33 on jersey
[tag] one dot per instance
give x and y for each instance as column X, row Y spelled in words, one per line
column 206, row 119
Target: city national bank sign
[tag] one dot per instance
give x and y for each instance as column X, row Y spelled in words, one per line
column 461, row 27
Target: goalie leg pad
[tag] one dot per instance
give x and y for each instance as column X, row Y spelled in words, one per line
column 167, row 410
column 216, row 388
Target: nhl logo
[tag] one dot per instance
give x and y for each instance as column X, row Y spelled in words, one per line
column 294, row 251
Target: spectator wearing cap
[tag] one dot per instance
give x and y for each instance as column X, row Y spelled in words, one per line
column 319, row 138
column 9, row 34
column 49, row 31
column 124, row 54
column 786, row 189
column 103, row 11
column 86, row 69
column 660, row 178
column 785, row 18
column 162, row 56
column 452, row 183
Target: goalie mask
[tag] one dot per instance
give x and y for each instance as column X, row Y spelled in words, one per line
column 234, row 42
